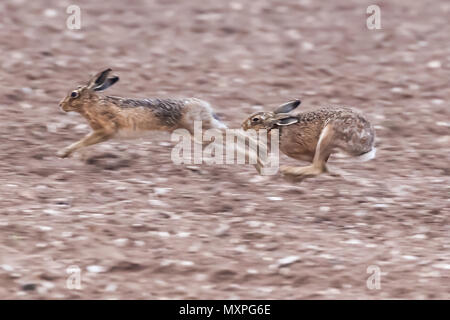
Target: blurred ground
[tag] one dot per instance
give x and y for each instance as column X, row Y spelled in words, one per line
column 140, row 227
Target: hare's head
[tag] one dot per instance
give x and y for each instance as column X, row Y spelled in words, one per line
column 268, row 120
column 86, row 94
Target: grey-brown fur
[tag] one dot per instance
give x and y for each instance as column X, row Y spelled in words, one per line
column 313, row 136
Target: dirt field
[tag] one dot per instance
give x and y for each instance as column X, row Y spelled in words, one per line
column 140, row 227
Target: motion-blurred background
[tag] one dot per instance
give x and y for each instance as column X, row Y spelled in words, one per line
column 137, row 226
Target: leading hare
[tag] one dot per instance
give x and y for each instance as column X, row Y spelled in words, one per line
column 109, row 116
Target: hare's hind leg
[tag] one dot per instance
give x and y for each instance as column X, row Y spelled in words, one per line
column 323, row 151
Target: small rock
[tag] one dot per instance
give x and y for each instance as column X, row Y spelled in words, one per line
column 254, row 224
column 29, row 287
column 95, row 269
column 435, row 64
column 222, row 230
column 156, row 202
column 161, row 191
column 352, row 241
column 44, row 228
column 406, row 257
column 275, row 198
column 183, row 234
column 360, row 213
column 7, row 267
column 121, row 242
column 50, row 13
column 111, row 287
column 288, row 260
column 444, row 266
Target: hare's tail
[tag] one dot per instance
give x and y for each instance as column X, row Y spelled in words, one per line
column 367, row 156
column 217, row 123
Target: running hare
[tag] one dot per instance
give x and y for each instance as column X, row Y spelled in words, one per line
column 313, row 136
column 110, row 116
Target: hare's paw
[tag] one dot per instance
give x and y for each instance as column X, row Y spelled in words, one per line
column 297, row 174
column 64, row 153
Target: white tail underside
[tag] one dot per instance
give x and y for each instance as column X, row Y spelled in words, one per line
column 367, row 156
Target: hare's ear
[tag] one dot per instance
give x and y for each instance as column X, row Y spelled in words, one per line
column 287, row 121
column 288, row 107
column 98, row 79
column 108, row 83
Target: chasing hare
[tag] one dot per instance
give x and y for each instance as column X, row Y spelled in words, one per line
column 109, row 116
column 313, row 136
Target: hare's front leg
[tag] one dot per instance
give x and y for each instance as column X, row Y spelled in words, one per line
column 323, row 150
column 92, row 138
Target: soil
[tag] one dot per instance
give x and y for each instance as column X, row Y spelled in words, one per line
column 140, row 227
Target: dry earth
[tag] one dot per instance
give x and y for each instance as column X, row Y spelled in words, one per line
column 140, row 227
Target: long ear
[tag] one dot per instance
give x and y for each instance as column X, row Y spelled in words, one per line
column 287, row 121
column 108, row 83
column 98, row 79
column 288, row 107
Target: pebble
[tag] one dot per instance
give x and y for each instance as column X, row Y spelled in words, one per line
column 275, row 198
column 111, row 287
column 44, row 228
column 52, row 212
column 360, row 213
column 7, row 267
column 419, row 236
column 186, row 263
column 183, row 234
column 161, row 191
column 222, row 230
column 444, row 266
column 288, row 260
column 254, row 224
column 95, row 269
column 435, row 64
column 410, row 257
column 352, row 241
column 121, row 242
column 29, row 287
column 156, row 202
column 139, row 243
column 50, row 13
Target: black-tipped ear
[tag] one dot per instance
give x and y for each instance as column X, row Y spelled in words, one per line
column 287, row 121
column 99, row 78
column 288, row 107
column 107, row 83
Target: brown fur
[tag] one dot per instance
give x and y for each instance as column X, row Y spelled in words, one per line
column 313, row 136
column 110, row 116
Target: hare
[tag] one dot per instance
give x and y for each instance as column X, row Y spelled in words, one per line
column 109, row 116
column 313, row 136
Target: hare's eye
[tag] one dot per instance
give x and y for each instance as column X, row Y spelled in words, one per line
column 255, row 119
column 74, row 94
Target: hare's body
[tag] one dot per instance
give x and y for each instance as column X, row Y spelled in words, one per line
column 139, row 115
column 352, row 133
column 110, row 116
column 313, row 136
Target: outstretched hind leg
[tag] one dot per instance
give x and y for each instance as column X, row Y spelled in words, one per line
column 323, row 151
